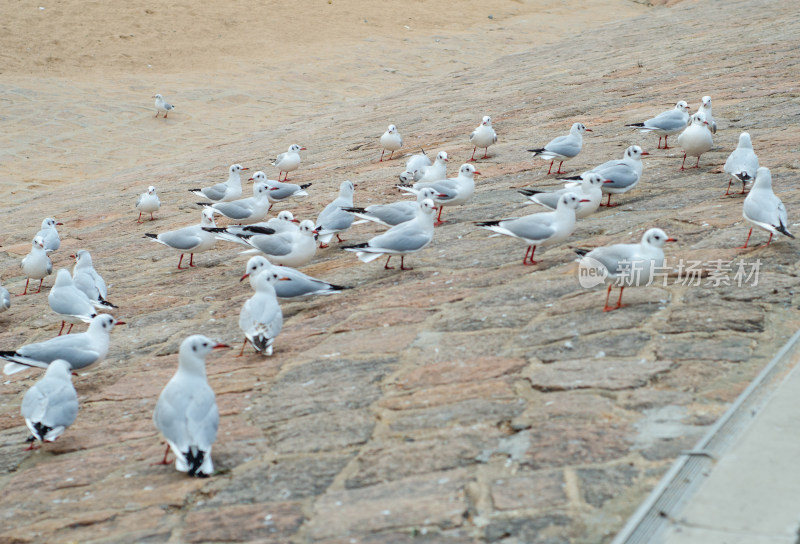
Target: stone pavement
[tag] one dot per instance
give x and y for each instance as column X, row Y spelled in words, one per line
column 471, row 399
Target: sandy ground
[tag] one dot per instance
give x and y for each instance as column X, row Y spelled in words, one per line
column 77, row 76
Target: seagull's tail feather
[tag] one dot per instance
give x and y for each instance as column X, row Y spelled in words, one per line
column 194, row 458
column 355, row 246
column 103, row 302
column 353, row 210
column 782, row 229
column 18, row 362
column 487, row 223
column 305, row 186
column 197, row 192
column 635, row 125
column 581, row 251
column 365, row 257
column 536, row 151
column 529, row 192
column 571, row 178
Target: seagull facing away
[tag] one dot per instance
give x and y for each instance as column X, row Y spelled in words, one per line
column 147, row 202
column 666, row 123
column 763, row 209
column 51, row 404
column 89, row 281
column 261, row 319
column 50, row 235
column 288, row 162
column 224, row 192
column 79, row 350
column 696, row 139
column 192, row 239
column 69, row 302
column 562, row 148
column 36, row 264
column 483, row 136
column 627, row 264
column 539, row 229
column 392, row 141
column 162, row 105
column 402, row 239
column 186, row 412
column 742, row 163
column 333, row 219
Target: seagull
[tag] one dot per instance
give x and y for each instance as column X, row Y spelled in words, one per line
column 763, row 209
column 148, row 202
column 394, row 213
column 245, row 210
column 69, row 302
column 402, row 239
column 86, row 278
column 392, row 141
column 591, row 189
column 562, row 148
column 193, row 239
column 696, row 139
column 285, row 222
column 333, row 220
column 162, row 105
column 483, row 136
column 224, row 192
column 50, row 235
column 5, row 299
column 186, row 412
column 51, row 404
column 289, row 248
column 540, row 230
column 289, row 161
column 414, row 167
column 280, row 191
column 451, row 191
column 295, row 285
column 261, row 318
column 79, row 350
column 705, row 107
column 627, row 264
column 624, row 174
column 666, row 123
column 742, row 164
column 437, row 171
column 36, row 264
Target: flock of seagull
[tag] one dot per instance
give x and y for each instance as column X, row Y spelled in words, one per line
column 186, row 412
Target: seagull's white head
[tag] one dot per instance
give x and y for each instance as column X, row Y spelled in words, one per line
column 656, row 238
column 441, row 156
column 255, row 266
column 487, row 121
column 427, row 206
column 635, row 152
column 744, row 140
column 468, row 170
column 569, row 201
column 38, row 241
column 294, row 148
column 207, row 219
column 593, row 179
column 706, row 102
column 307, row 227
column 286, row 215
column 682, row 106
column 392, row 129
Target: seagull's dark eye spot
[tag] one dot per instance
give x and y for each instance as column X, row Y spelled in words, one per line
column 194, row 348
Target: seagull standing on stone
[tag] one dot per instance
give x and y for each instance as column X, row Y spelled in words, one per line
column 36, row 264
column 333, row 219
column 591, row 190
column 69, row 302
column 394, row 213
column 48, row 232
column 88, row 280
column 539, row 230
column 705, row 108
column 742, row 164
column 627, row 264
column 621, row 175
column 295, row 285
column 288, row 248
column 483, row 136
column 392, row 141
column 667, row 123
column 162, row 105
column 289, row 161
column 696, row 139
column 245, row 211
column 148, row 202
column 261, row 318
column 280, row 191
column 224, row 192
column 562, row 148
column 763, row 209
column 438, row 170
column 192, row 239
column 451, row 191
column 51, row 404
column 186, row 412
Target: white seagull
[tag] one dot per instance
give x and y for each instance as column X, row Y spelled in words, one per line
column 69, row 302
column 437, row 171
column 280, row 191
column 162, row 105
column 51, row 404
column 245, row 211
column 591, row 190
column 763, row 209
column 621, row 175
column 79, row 350
column 147, row 202
column 295, row 285
column 224, row 192
column 562, row 148
column 667, row 123
column 483, row 136
column 186, row 412
column 333, row 219
column 36, row 264
column 5, row 299
column 289, row 161
column 86, row 278
column 48, row 232
column 451, row 191
column 192, row 239
column 705, row 108
column 392, row 141
column 414, row 167
column 540, row 230
column 742, row 164
column 261, row 318
column 627, row 264
column 394, row 213
column 288, row 248
column 696, row 139
column 402, row 239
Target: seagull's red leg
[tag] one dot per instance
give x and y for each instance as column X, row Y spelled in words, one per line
column 382, row 152
column 472, row 158
column 25, row 292
column 551, row 166
column 485, row 153
column 179, row 263
column 191, row 260
column 665, row 143
column 607, row 308
column 729, row 187
column 559, row 168
column 746, row 241
column 402, row 259
column 70, row 327
column 619, row 300
column 241, row 352
column 386, row 266
column 340, row 238
column 140, row 218
column 39, row 290
column 770, row 238
column 164, row 460
column 684, row 162
column 153, row 218
column 697, row 165
column 530, row 259
column 525, row 258
column 390, row 156
column 62, row 327
column 439, row 217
